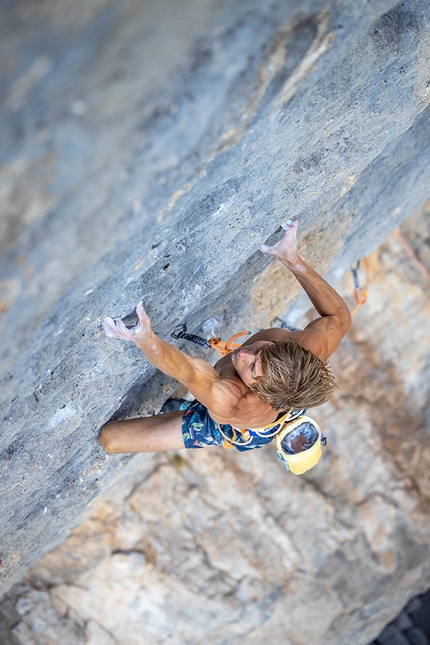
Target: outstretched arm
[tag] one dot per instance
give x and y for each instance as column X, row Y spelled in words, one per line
column 196, row 374
column 327, row 331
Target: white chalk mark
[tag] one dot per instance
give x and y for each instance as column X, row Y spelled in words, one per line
column 62, row 415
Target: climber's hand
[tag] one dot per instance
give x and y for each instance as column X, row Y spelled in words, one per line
column 140, row 333
column 286, row 249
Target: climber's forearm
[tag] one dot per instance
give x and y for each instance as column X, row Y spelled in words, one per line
column 323, row 335
column 334, row 313
column 166, row 357
column 196, row 374
column 162, row 355
column 200, row 378
column 324, row 298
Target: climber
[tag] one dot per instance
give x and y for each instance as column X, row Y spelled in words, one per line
column 269, row 379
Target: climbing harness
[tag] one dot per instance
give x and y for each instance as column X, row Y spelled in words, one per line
column 246, row 436
column 290, row 421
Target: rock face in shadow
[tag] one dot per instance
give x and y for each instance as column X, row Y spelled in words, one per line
column 218, row 547
column 150, row 149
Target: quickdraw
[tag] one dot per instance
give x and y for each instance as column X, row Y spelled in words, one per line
column 360, row 294
column 180, row 331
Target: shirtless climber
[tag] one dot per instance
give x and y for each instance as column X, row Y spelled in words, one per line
column 270, row 378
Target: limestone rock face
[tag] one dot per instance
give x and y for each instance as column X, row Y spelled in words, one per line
column 150, row 148
column 218, row 547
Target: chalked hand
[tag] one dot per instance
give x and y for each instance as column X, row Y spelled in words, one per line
column 115, row 328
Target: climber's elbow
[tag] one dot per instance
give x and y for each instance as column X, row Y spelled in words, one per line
column 107, row 438
column 346, row 322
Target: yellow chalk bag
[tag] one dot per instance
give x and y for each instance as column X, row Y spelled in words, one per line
column 300, row 462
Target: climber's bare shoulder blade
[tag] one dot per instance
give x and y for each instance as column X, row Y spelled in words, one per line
column 314, row 338
column 273, row 333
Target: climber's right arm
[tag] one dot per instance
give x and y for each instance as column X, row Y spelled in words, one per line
column 200, row 378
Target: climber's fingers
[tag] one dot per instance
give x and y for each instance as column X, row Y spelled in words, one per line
column 264, row 248
column 117, row 329
column 286, row 243
column 286, row 248
column 142, row 315
column 290, row 223
column 123, row 330
column 111, row 328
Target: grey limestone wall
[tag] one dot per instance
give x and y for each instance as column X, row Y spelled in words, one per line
column 148, row 150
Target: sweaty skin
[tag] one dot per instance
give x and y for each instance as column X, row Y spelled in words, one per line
column 224, row 389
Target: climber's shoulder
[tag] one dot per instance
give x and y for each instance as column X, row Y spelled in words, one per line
column 321, row 337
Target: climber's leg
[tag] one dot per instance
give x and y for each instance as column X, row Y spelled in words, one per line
column 147, row 434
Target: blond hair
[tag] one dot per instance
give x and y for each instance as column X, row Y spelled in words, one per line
column 292, row 377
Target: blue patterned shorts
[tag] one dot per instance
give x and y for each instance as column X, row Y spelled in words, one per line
column 199, row 430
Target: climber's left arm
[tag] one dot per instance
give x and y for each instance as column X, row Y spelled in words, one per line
column 323, row 335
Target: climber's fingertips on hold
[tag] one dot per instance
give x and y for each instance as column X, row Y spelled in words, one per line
column 140, row 310
column 109, row 327
column 289, row 223
column 120, row 326
column 108, row 321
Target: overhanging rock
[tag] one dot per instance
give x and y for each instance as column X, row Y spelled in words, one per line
column 163, row 191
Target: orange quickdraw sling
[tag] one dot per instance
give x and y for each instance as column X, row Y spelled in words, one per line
column 229, row 346
column 180, row 331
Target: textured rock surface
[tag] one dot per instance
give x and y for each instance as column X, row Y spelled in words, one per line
column 217, row 547
column 150, row 149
